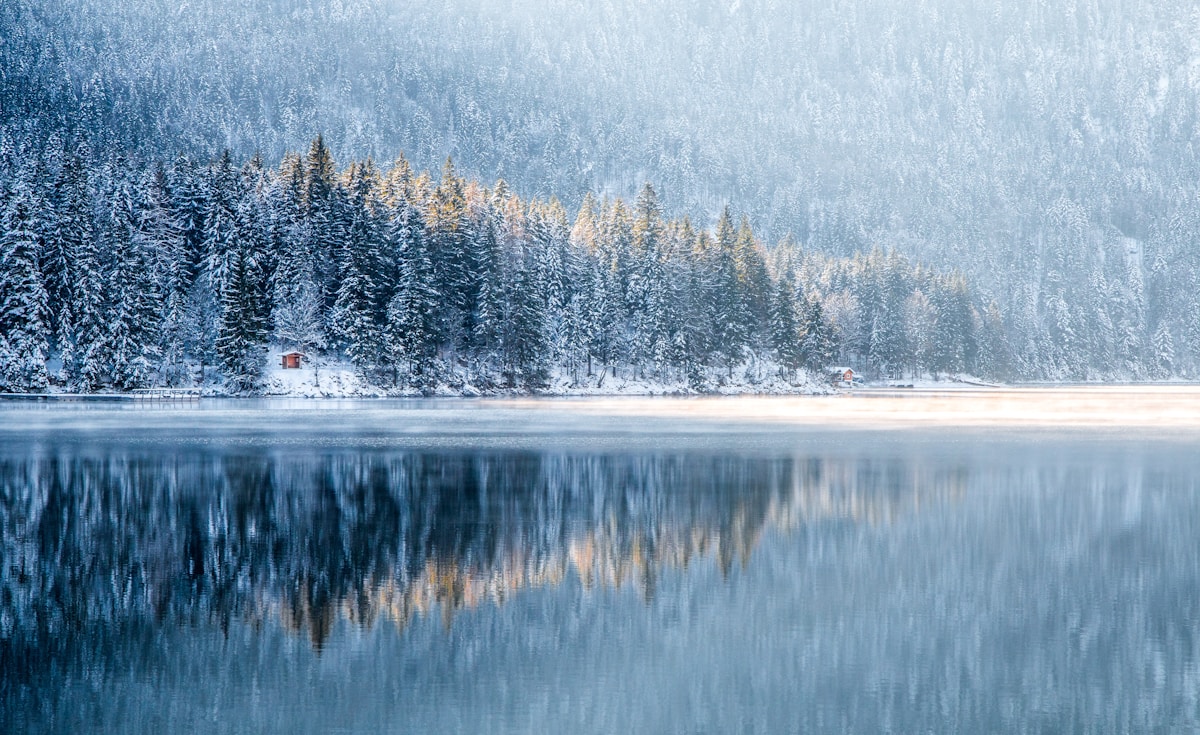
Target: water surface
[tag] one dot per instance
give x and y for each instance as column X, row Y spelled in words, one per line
column 645, row 566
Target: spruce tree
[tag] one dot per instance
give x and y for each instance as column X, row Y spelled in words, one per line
column 449, row 236
column 524, row 349
column 954, row 341
column 1164, row 352
column 733, row 318
column 920, row 323
column 208, row 316
column 549, row 238
column 297, row 319
column 411, row 329
column 753, row 281
column 785, row 326
column 60, row 235
column 189, row 189
column 357, row 314
column 485, row 260
column 819, row 346
column 296, row 304
column 72, row 248
column 162, row 236
column 241, row 328
column 23, row 300
column 324, row 215
column 132, row 346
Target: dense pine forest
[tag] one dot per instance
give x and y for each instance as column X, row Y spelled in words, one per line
column 1039, row 160
column 117, row 276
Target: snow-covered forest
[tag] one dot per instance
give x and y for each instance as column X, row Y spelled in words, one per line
column 1039, row 157
column 131, row 277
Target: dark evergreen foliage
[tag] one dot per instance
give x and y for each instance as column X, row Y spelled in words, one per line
column 135, row 275
column 24, row 327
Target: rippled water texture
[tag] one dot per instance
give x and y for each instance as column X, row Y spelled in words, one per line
column 881, row 563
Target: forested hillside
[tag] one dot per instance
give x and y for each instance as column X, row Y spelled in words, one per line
column 1047, row 151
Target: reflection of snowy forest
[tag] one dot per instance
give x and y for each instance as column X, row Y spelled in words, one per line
column 221, row 538
column 1045, row 152
column 894, row 567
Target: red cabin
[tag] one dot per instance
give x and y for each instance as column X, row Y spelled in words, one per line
column 291, row 360
column 842, row 377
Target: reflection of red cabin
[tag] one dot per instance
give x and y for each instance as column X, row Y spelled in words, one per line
column 291, row 360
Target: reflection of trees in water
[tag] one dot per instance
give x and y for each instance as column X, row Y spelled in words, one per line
column 106, row 543
column 1063, row 581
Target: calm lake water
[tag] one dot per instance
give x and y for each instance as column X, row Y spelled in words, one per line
column 649, row 566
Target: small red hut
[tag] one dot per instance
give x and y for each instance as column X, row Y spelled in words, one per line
column 291, row 360
column 841, row 377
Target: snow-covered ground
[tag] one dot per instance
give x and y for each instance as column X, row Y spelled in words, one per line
column 322, row 379
column 334, row 378
column 329, row 376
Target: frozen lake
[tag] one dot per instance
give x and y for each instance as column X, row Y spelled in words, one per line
column 904, row 561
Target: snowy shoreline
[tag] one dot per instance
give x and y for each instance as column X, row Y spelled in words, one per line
column 343, row 387
column 339, row 381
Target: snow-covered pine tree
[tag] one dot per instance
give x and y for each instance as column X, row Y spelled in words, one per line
column 572, row 331
column 995, row 353
column 954, row 347
column 1103, row 332
column 89, row 336
column 411, row 329
column 297, row 319
column 295, row 294
column 549, row 236
column 785, row 326
column 325, row 221
column 585, row 233
column 647, row 290
column 189, row 187
column 1191, row 334
column 162, row 237
column 1164, row 352
column 819, row 344
column 618, row 253
column 920, row 325
column 672, row 350
column 55, row 250
column 233, row 278
column 599, row 314
column 357, row 315
column 485, row 264
column 23, row 301
column 699, row 309
column 242, row 324
column 753, row 281
column 72, row 257
column 524, row 350
column 135, row 304
column 887, row 284
column 731, row 328
column 449, row 235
